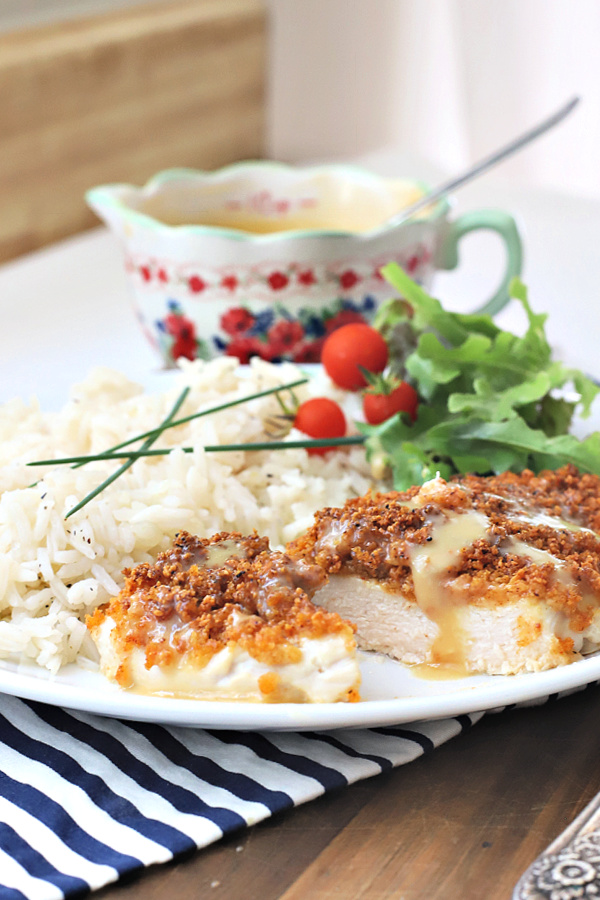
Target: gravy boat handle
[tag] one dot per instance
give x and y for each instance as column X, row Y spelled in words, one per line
column 505, row 226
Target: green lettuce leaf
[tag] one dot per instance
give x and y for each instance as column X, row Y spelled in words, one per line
column 491, row 401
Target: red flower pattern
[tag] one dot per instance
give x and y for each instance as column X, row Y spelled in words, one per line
column 306, row 277
column 274, row 333
column 196, row 284
column 184, row 333
column 283, row 337
column 245, row 348
column 185, row 343
column 277, row 281
column 309, row 352
column 236, row 320
column 230, row 282
column 173, row 322
column 348, row 279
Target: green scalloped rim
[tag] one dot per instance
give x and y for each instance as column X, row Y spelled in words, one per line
column 103, row 196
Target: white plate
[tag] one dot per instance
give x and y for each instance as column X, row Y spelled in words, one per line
column 392, row 696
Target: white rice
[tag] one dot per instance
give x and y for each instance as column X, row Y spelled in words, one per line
column 54, row 571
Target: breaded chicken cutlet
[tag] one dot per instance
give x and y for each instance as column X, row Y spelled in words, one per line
column 226, row 618
column 496, row 575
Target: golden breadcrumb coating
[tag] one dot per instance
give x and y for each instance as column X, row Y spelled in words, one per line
column 556, row 513
column 205, row 594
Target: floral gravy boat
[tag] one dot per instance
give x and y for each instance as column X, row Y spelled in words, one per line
column 265, row 259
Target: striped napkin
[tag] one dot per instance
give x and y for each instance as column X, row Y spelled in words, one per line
column 77, row 790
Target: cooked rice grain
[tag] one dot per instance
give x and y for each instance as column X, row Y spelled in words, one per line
column 54, row 571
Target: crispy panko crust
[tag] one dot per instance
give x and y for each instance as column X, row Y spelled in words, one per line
column 191, row 603
column 372, row 537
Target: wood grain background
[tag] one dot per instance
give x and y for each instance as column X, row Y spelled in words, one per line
column 118, row 97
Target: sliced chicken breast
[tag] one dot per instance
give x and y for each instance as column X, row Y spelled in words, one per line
column 228, row 619
column 497, row 575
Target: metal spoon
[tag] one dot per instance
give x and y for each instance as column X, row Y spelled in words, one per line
column 487, row 163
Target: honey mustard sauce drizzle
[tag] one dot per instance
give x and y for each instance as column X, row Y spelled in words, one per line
column 540, row 558
column 560, row 572
column 449, row 534
column 212, row 556
column 218, row 554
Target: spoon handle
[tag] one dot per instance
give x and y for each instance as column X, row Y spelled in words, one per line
column 483, row 165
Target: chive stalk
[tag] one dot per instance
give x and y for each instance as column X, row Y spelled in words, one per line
column 155, row 432
column 348, row 441
column 119, row 451
column 130, row 461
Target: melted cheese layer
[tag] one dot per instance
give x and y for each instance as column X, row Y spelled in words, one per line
column 326, row 672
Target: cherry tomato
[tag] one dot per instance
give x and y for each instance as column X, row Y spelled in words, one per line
column 320, row 418
column 378, row 407
column 349, row 347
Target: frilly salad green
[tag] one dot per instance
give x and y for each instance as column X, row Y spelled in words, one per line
column 490, row 401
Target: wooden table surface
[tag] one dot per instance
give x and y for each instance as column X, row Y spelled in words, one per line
column 461, row 823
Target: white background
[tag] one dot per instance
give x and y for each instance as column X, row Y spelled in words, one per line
column 441, row 82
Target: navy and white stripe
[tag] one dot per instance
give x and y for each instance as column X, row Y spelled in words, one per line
column 85, row 800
